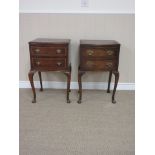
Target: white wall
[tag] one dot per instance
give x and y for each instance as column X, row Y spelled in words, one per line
column 119, row 27
column 74, row 6
column 45, row 18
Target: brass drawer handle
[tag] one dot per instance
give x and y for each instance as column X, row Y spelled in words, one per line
column 109, row 64
column 38, row 63
column 109, row 52
column 90, row 52
column 37, row 50
column 59, row 63
column 58, row 51
column 90, row 63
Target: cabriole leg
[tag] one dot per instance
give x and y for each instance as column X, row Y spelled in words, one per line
column 116, row 73
column 31, row 74
column 109, row 81
column 40, row 78
column 68, row 74
column 80, row 73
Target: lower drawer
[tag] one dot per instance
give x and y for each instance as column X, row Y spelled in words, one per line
column 49, row 64
column 99, row 65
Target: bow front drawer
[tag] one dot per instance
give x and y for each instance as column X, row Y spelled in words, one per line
column 99, row 52
column 48, row 51
column 99, row 65
column 49, row 64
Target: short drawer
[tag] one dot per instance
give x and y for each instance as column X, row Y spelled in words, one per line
column 48, row 51
column 99, row 65
column 99, row 52
column 49, row 63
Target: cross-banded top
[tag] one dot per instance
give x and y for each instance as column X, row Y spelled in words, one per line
column 50, row 41
column 98, row 42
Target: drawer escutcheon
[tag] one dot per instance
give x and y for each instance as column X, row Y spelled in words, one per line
column 58, row 51
column 109, row 64
column 37, row 50
column 59, row 63
column 89, row 63
column 90, row 52
column 38, row 63
column 109, row 52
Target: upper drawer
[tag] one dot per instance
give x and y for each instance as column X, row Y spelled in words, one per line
column 48, row 51
column 99, row 52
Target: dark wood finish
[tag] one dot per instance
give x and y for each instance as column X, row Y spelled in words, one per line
column 68, row 74
column 105, row 65
column 99, row 55
column 48, row 51
column 49, row 64
column 109, row 81
column 99, row 43
column 116, row 73
column 99, row 52
column 50, row 41
column 31, row 74
column 80, row 73
column 49, row 55
column 40, row 78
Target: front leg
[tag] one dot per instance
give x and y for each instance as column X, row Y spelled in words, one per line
column 70, row 71
column 68, row 74
column 80, row 73
column 40, row 79
column 116, row 73
column 30, row 75
column 109, row 81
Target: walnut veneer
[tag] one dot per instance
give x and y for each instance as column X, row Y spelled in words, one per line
column 99, row 55
column 49, row 55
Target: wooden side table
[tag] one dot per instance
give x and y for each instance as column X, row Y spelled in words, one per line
column 99, row 55
column 49, row 55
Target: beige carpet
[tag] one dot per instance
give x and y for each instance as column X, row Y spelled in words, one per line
column 96, row 127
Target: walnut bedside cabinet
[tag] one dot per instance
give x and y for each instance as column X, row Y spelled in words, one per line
column 49, row 55
column 99, row 55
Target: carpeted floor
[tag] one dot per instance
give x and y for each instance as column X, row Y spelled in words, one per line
column 96, row 127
